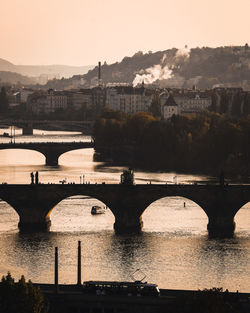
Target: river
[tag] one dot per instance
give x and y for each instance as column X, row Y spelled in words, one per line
column 173, row 250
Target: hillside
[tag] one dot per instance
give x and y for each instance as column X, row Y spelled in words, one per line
column 7, row 66
column 46, row 70
column 53, row 70
column 204, row 67
column 15, row 78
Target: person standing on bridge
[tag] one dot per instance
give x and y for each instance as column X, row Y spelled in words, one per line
column 37, row 177
column 222, row 178
column 32, row 178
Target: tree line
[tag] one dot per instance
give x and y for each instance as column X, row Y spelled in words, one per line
column 205, row 143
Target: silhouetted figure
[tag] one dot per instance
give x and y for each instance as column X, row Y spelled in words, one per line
column 222, row 178
column 184, row 204
column 32, row 178
column 37, row 177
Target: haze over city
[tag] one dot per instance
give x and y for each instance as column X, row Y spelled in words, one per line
column 83, row 32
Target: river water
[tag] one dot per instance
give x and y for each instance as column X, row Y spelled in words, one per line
column 173, row 250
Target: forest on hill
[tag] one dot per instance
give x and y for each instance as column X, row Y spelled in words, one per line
column 206, row 143
column 205, row 67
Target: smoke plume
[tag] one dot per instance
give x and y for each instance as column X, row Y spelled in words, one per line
column 161, row 71
column 156, row 72
column 183, row 53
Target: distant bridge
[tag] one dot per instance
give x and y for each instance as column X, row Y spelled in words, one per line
column 29, row 125
column 51, row 150
column 34, row 203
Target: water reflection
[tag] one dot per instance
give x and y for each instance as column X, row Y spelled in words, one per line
column 227, row 261
column 128, row 252
column 173, row 250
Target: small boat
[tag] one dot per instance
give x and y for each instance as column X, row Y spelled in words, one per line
column 6, row 135
column 97, row 210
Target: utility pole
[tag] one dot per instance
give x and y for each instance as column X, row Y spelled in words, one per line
column 11, row 134
column 56, row 269
column 79, row 265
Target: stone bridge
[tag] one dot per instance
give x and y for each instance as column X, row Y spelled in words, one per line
column 51, row 150
column 34, row 203
column 28, row 125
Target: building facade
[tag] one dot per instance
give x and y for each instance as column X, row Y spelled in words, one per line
column 42, row 102
column 129, row 99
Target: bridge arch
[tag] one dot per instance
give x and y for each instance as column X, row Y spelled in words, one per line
column 174, row 214
column 9, row 216
column 242, row 219
column 74, row 213
column 51, row 150
column 22, row 156
column 78, row 156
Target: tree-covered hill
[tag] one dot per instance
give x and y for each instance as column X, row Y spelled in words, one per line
column 204, row 67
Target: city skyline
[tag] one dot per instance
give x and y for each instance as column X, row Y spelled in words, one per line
column 84, row 32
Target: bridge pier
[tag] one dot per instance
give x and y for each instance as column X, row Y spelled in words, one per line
column 34, row 226
column 128, row 220
column 221, row 226
column 33, row 220
column 28, row 130
column 128, row 226
column 127, row 209
column 51, row 159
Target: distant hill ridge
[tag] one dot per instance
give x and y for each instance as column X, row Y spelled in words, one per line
column 50, row 70
column 204, row 67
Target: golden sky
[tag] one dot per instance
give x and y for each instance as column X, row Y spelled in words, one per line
column 82, row 32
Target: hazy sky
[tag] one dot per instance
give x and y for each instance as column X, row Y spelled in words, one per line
column 82, row 32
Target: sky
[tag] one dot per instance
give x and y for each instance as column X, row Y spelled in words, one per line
column 83, row 32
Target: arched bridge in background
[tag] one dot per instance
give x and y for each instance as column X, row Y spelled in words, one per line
column 34, row 203
column 85, row 127
column 51, row 150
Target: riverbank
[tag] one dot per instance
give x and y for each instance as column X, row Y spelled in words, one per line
column 73, row 298
column 205, row 144
column 125, row 156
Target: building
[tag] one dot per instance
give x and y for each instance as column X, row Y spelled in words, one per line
column 14, row 98
column 192, row 102
column 129, row 99
column 170, row 107
column 79, row 99
column 179, row 101
column 41, row 102
column 25, row 92
column 98, row 97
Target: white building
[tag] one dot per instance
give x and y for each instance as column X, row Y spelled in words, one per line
column 169, row 108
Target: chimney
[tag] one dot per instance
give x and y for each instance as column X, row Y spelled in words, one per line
column 99, row 71
column 56, row 269
column 79, row 278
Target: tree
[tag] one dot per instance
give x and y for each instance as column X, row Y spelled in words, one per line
column 3, row 100
column 214, row 300
column 20, row 297
column 236, row 105
column 155, row 107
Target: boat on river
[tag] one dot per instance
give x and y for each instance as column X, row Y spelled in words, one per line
column 96, row 209
column 7, row 135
